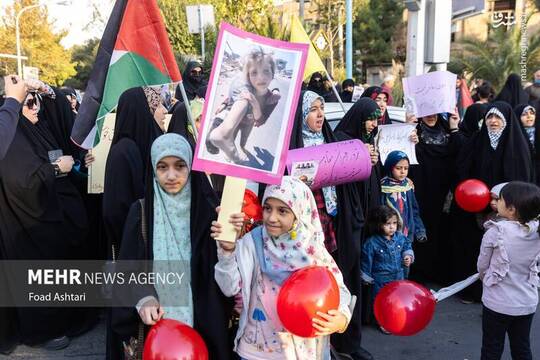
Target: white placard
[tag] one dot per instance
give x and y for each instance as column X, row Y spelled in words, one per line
column 431, row 93
column 396, row 137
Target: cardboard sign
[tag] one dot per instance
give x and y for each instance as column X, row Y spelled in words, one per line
column 430, row 94
column 396, row 137
column 96, row 171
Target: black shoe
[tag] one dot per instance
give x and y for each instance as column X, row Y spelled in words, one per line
column 56, row 344
column 362, row 354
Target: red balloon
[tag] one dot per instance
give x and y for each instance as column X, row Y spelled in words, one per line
column 404, row 307
column 305, row 292
column 252, row 210
column 472, row 195
column 173, row 340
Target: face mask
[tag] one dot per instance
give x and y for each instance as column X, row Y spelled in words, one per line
column 537, row 81
column 196, row 78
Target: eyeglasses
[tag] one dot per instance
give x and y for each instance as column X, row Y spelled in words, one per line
column 30, row 103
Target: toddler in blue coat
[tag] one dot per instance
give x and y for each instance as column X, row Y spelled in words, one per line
column 387, row 252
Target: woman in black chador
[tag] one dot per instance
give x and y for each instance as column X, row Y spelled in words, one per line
column 139, row 121
column 498, row 153
column 176, row 214
column 42, row 218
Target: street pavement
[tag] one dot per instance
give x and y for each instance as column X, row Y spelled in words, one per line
column 455, row 333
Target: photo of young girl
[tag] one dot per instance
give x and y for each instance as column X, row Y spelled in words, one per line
column 250, row 105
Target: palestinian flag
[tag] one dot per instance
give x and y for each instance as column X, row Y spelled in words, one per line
column 134, row 51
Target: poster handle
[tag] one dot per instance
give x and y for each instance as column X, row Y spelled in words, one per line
column 231, row 203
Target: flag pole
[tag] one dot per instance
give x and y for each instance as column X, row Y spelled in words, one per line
column 335, row 91
column 188, row 109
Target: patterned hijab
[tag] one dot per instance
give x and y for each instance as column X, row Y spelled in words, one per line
column 312, row 138
column 283, row 255
column 172, row 219
column 153, row 98
column 495, row 136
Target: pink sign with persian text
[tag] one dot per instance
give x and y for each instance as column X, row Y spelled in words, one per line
column 335, row 163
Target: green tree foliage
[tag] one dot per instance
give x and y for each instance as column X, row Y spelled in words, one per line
column 378, row 32
column 39, row 43
column 83, row 56
column 500, row 55
column 258, row 16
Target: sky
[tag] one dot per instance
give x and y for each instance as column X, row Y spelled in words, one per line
column 73, row 18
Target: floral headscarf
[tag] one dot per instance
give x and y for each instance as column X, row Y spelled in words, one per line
column 283, row 255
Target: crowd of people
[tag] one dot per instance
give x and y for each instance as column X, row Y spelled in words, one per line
column 402, row 222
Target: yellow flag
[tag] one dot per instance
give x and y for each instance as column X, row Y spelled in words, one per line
column 299, row 35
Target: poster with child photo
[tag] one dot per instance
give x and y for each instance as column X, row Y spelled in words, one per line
column 250, row 105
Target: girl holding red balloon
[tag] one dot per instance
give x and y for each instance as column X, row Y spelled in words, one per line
column 509, row 266
column 171, row 226
column 257, row 266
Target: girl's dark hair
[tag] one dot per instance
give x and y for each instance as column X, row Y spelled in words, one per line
column 524, row 197
column 378, row 216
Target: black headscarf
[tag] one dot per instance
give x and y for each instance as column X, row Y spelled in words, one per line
column 69, row 91
column 42, row 218
column 129, row 157
column 192, row 83
column 59, row 118
column 510, row 161
column 317, row 86
column 512, row 92
column 353, row 126
column 471, row 121
column 346, row 95
column 372, row 92
column 211, row 308
column 535, row 153
column 353, row 123
column 436, row 136
column 134, row 120
column 180, row 125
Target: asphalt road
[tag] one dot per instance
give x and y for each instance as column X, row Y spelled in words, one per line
column 454, row 334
